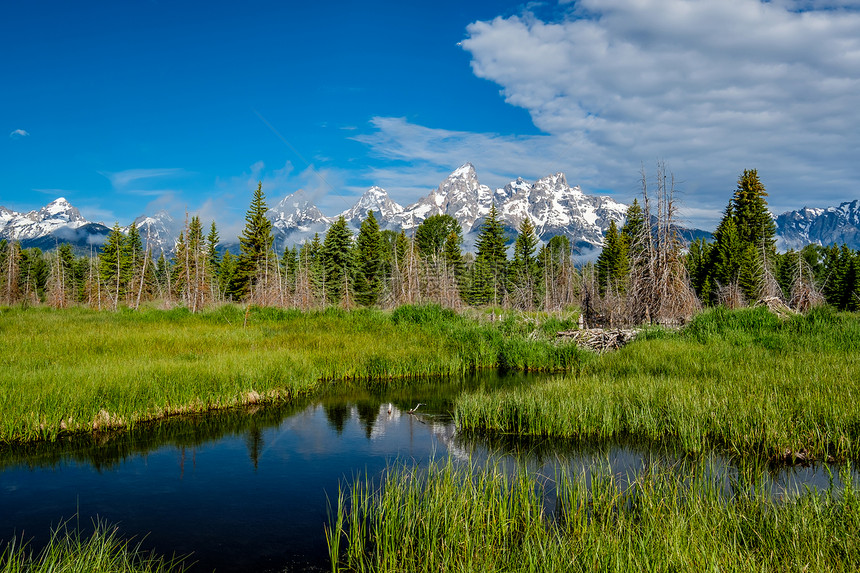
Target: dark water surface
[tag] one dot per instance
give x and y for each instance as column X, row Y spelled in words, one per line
column 248, row 490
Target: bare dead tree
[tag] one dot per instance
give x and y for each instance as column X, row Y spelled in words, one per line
column 660, row 290
column 805, row 295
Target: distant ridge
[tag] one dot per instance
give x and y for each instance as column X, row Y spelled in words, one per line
column 551, row 203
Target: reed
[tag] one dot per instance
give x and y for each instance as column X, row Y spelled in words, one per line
column 462, row 518
column 744, row 382
column 70, row 551
column 78, row 370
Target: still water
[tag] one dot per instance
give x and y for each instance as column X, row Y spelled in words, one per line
column 248, row 490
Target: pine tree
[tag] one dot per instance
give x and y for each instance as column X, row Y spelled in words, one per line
column 212, row 255
column 524, row 269
column 744, row 253
column 698, row 262
column 634, row 230
column 490, row 269
column 337, row 260
column 369, row 262
column 255, row 244
column 227, row 272
column 113, row 265
column 612, row 263
column 453, row 256
column 749, row 207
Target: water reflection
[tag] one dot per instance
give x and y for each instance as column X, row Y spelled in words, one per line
column 248, row 489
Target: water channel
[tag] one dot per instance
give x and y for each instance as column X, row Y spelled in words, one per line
column 248, row 490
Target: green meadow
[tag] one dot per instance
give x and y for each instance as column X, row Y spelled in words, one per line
column 745, row 383
column 80, row 370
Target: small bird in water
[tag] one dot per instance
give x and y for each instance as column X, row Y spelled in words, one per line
column 412, row 411
column 389, row 407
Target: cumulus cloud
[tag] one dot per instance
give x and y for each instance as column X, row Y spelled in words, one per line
column 18, row 134
column 711, row 86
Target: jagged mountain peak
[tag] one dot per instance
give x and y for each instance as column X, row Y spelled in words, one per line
column 375, row 199
column 820, row 226
column 59, row 209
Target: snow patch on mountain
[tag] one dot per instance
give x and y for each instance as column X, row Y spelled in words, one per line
column 375, row 199
column 820, row 226
column 57, row 214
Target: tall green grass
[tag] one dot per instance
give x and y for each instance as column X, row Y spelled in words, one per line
column 69, row 551
column 744, row 382
column 81, row 370
column 457, row 518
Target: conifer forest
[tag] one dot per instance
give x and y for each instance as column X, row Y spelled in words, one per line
column 644, row 274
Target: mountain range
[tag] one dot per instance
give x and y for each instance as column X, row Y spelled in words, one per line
column 553, row 206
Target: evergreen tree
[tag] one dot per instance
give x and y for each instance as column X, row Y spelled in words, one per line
column 255, row 243
column 612, row 263
column 524, row 270
column 135, row 257
column 698, row 263
column 725, row 256
column 634, row 230
column 490, row 268
column 337, row 261
column 227, row 272
column 113, row 265
column 744, row 251
column 212, row 256
column 34, row 271
column 453, row 256
column 290, row 264
column 370, row 259
column 749, row 208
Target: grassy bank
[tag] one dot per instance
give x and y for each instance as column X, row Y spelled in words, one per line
column 448, row 519
column 69, row 551
column 744, row 382
column 82, row 370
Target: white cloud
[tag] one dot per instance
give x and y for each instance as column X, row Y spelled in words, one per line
column 18, row 134
column 711, row 86
column 122, row 180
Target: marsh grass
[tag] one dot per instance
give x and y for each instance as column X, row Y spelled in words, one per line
column 455, row 518
column 79, row 370
column 743, row 382
column 70, row 551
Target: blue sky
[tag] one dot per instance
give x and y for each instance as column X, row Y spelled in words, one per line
column 128, row 107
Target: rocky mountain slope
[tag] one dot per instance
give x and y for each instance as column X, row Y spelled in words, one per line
column 818, row 226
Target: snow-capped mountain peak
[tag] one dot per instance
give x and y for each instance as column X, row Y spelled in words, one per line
column 59, row 209
column 57, row 214
column 375, row 199
column 819, row 226
column 296, row 212
column 460, row 195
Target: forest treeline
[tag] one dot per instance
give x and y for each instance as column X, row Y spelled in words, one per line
column 643, row 274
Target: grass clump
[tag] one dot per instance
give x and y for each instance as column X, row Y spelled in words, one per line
column 79, row 370
column 458, row 518
column 69, row 551
column 744, row 382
